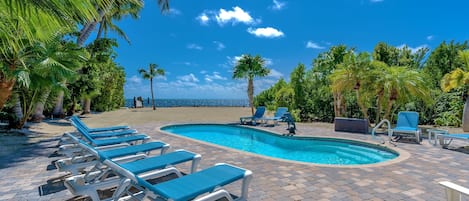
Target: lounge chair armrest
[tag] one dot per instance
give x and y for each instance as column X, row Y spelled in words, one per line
column 216, row 196
column 454, row 191
column 114, row 146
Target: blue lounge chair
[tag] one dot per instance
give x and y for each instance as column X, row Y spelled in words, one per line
column 107, row 134
column 78, row 121
column 206, row 184
column 90, row 183
column 101, row 141
column 407, row 123
column 256, row 117
column 446, row 139
column 82, row 158
column 278, row 116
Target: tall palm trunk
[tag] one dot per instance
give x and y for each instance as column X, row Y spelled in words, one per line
column 251, row 94
column 336, row 112
column 87, row 105
column 152, row 96
column 362, row 106
column 465, row 116
column 39, row 108
column 59, row 104
column 6, row 89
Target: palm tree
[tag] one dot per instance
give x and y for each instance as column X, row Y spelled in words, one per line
column 399, row 84
column 457, row 78
column 24, row 23
column 117, row 13
column 153, row 71
column 105, row 9
column 57, row 62
column 249, row 67
column 352, row 74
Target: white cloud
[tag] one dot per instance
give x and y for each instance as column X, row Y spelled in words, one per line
column 267, row 32
column 135, row 80
column 268, row 62
column 194, row 46
column 174, row 12
column 376, row 1
column 220, row 46
column 278, row 5
column 275, row 74
column 203, row 18
column 430, row 37
column 413, row 50
column 313, row 45
column 214, row 76
column 188, row 78
column 234, row 16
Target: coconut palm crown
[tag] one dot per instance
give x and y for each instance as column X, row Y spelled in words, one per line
column 249, row 67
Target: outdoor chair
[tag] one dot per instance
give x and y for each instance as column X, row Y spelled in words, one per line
column 204, row 185
column 101, row 177
column 78, row 121
column 278, row 116
column 446, row 139
column 407, row 123
column 82, row 159
column 256, row 117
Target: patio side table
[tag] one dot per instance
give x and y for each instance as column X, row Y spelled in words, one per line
column 433, row 134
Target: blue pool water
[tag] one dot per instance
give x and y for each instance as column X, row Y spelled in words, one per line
column 307, row 149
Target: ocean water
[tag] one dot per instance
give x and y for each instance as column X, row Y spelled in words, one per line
column 191, row 103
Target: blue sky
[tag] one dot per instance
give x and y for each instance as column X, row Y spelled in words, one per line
column 197, row 42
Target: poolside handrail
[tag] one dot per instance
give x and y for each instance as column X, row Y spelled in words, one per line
column 379, row 125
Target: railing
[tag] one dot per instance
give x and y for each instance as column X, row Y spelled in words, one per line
column 454, row 192
column 379, row 125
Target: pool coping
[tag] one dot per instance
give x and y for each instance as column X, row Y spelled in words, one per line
column 403, row 155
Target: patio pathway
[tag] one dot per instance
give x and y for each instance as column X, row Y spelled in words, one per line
column 23, row 172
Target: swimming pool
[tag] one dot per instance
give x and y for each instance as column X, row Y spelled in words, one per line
column 329, row 151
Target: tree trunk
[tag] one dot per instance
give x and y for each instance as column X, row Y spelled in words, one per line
column 18, row 111
column 152, row 97
column 251, row 95
column 39, row 108
column 388, row 109
column 87, row 106
column 6, row 88
column 465, row 116
column 362, row 106
column 59, row 104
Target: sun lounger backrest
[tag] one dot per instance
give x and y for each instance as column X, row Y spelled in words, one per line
column 281, row 111
column 78, row 122
column 408, row 119
column 259, row 112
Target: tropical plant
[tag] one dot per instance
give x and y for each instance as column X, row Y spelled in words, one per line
column 153, row 71
column 249, row 67
column 353, row 75
column 57, row 61
column 104, row 10
column 24, row 23
column 459, row 78
column 298, row 83
column 443, row 60
column 398, row 85
column 107, row 11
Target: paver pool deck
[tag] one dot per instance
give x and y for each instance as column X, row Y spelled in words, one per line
column 24, row 174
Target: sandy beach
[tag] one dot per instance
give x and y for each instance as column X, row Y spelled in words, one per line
column 26, row 160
